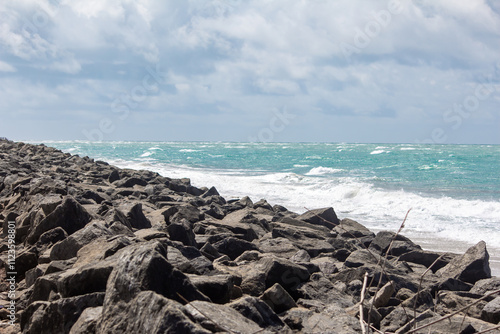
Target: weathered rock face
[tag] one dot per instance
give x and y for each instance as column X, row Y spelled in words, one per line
column 470, row 267
column 108, row 250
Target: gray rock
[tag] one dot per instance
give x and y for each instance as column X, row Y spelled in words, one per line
column 143, row 267
column 87, row 322
column 218, row 288
column 426, row 258
column 301, row 256
column 163, row 316
column 180, row 231
column 218, row 318
column 69, row 247
column 491, row 312
column 234, row 247
column 259, row 312
column 278, row 298
column 384, row 294
column 69, row 215
column 324, row 216
column 349, row 228
column 470, row 267
column 486, row 285
column 135, row 216
column 401, row 244
column 58, row 316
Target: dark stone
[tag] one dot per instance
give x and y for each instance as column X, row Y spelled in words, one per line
column 259, row 312
column 136, row 217
column 234, row 247
column 58, row 316
column 69, row 215
column 129, row 182
column 278, row 299
column 144, row 267
column 218, row 287
column 470, row 267
column 163, row 316
column 325, row 217
column 181, row 232
column 491, row 312
column 400, row 245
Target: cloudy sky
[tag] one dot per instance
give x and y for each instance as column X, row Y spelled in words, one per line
column 234, row 70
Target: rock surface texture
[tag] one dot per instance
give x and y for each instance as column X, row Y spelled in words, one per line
column 106, row 250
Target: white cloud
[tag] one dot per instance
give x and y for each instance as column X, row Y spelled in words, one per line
column 4, row 67
column 245, row 57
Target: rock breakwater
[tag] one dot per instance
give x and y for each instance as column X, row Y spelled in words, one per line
column 100, row 249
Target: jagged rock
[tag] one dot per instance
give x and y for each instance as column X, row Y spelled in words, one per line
column 218, row 288
column 51, row 237
column 25, row 260
column 348, row 228
column 326, row 265
column 321, row 289
column 449, row 301
column 128, row 182
column 150, row 234
column 69, row 215
column 69, row 247
column 234, row 247
column 301, row 256
column 263, row 204
column 182, row 232
column 281, row 247
column 163, row 316
column 87, row 322
column 470, row 267
column 209, row 251
column 259, row 312
column 143, row 267
column 325, row 216
column 401, row 244
column 491, row 311
column 486, row 285
column 58, row 316
column 383, row 296
column 135, row 216
column 218, row 318
column 455, row 324
column 278, row 298
column 426, row 258
column 188, row 212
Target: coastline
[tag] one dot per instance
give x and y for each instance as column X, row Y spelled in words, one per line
column 103, row 241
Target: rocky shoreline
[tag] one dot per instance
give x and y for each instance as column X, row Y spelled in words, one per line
column 106, row 250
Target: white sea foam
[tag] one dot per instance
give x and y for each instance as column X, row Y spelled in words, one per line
column 300, row 166
column 323, row 170
column 377, row 151
column 188, row 150
column 147, row 154
column 407, row 148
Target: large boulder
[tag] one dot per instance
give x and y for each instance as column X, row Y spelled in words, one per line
column 470, row 267
column 234, row 247
column 491, row 311
column 259, row 312
column 144, row 267
column 219, row 318
column 69, row 247
column 325, row 216
column 58, row 316
column 69, row 215
column 400, row 244
column 163, row 316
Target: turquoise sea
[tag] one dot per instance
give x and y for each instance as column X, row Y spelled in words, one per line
column 453, row 190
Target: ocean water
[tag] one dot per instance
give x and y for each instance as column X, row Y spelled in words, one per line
column 453, row 190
